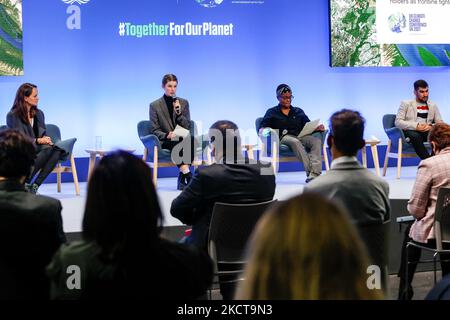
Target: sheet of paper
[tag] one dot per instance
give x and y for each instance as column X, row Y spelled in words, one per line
column 309, row 128
column 180, row 132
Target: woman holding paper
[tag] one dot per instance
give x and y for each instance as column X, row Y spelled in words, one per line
column 290, row 121
column 168, row 114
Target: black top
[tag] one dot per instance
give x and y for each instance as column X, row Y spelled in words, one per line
column 30, row 233
column 291, row 124
column 230, row 183
column 169, row 103
column 167, row 271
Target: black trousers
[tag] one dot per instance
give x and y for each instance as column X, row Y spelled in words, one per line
column 183, row 150
column 45, row 162
column 418, row 139
column 414, row 254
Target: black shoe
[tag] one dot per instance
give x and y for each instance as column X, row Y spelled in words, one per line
column 405, row 294
column 183, row 180
column 180, row 184
column 188, row 177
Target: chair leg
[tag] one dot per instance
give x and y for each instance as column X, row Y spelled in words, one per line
column 386, row 158
column 144, row 155
column 75, row 175
column 263, row 150
column 58, row 177
column 434, row 266
column 155, row 165
column 376, row 162
column 325, row 157
column 364, row 156
column 275, row 157
column 407, row 267
column 208, row 156
column 399, row 158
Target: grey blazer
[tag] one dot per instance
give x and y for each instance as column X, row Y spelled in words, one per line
column 365, row 195
column 160, row 118
column 407, row 115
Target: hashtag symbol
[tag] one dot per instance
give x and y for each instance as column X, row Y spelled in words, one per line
column 121, row 29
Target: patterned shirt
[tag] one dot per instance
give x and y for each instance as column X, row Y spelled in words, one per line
column 433, row 173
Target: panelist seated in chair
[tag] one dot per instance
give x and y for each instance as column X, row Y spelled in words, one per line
column 416, row 118
column 433, row 173
column 289, row 121
column 165, row 114
column 29, row 120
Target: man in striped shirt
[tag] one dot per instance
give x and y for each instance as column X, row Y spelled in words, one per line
column 416, row 117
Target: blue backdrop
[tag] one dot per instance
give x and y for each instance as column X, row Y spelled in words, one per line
column 95, row 82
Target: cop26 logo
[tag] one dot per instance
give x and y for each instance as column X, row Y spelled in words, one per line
column 209, row 3
column 74, row 20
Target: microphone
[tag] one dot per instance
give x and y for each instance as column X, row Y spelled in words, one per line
column 178, row 107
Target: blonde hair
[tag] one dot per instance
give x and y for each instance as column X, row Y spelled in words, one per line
column 306, row 248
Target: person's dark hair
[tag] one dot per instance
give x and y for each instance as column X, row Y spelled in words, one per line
column 420, row 84
column 19, row 106
column 169, row 77
column 221, row 133
column 283, row 88
column 122, row 213
column 17, row 154
column 440, row 135
column 347, row 130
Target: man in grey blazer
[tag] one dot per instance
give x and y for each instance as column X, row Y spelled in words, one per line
column 362, row 193
column 365, row 195
column 416, row 117
column 165, row 114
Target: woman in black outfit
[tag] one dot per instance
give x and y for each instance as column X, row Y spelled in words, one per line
column 121, row 254
column 28, row 119
column 166, row 113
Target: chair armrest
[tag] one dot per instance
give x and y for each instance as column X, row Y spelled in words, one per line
column 67, row 146
column 273, row 134
column 394, row 134
column 150, row 141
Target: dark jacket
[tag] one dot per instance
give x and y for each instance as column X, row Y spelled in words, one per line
column 167, row 271
column 230, row 183
column 160, row 121
column 13, row 121
column 291, row 124
column 30, row 233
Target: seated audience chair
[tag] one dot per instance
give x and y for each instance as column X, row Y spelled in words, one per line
column 376, row 239
column 230, row 228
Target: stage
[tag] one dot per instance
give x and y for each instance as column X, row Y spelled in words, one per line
column 287, row 184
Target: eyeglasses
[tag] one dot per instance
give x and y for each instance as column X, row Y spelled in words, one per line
column 287, row 97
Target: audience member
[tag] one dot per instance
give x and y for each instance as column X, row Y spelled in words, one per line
column 121, row 254
column 30, row 225
column 433, row 173
column 306, row 248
